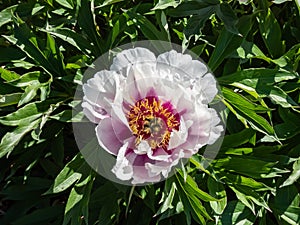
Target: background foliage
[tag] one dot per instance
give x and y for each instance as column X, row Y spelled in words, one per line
column 252, row 47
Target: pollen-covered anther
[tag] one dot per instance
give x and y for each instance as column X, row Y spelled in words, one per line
column 152, row 121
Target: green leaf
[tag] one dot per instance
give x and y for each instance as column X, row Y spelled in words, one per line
column 26, row 79
column 237, row 139
column 192, row 188
column 167, row 201
column 217, row 190
column 76, row 210
column 11, row 139
column 251, row 77
column 240, row 101
column 66, row 3
column 41, row 216
column 27, row 113
column 109, row 2
column 69, row 117
column 237, row 213
column 163, row 4
column 71, row 173
column 8, row 75
column 294, row 176
column 147, row 27
column 29, row 94
column 249, row 166
column 10, row 54
column 277, row 96
column 54, row 55
column 27, row 42
column 87, row 23
column 227, row 15
column 249, row 197
column 190, row 195
column 188, row 8
column 9, row 99
column 285, row 204
column 228, row 42
column 72, row 38
column 6, row 15
column 271, row 33
column 239, row 180
column 196, row 22
column 246, row 111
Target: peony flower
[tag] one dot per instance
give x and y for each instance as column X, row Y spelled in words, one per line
column 150, row 112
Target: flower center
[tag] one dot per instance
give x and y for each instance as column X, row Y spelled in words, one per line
column 153, row 121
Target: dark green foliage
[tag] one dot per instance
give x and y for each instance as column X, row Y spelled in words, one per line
column 253, row 48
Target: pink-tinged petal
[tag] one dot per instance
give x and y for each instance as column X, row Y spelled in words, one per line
column 199, row 131
column 93, row 113
column 129, row 57
column 144, row 149
column 164, row 167
column 107, row 136
column 141, row 77
column 118, row 113
column 158, row 154
column 99, row 93
column 123, row 169
column 140, row 173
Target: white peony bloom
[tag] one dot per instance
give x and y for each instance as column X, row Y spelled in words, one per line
column 152, row 111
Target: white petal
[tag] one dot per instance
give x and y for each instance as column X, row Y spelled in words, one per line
column 178, row 137
column 207, row 85
column 140, row 79
column 215, row 131
column 103, row 84
column 175, row 60
column 99, row 92
column 123, row 169
column 132, row 56
column 182, row 62
column 142, row 148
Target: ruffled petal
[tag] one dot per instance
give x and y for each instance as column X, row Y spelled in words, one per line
column 206, row 87
column 164, row 167
column 182, row 62
column 216, row 130
column 199, row 130
column 111, row 135
column 140, row 79
column 99, row 93
column 93, row 113
column 132, row 56
column 123, row 169
column 178, row 137
column 157, row 154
